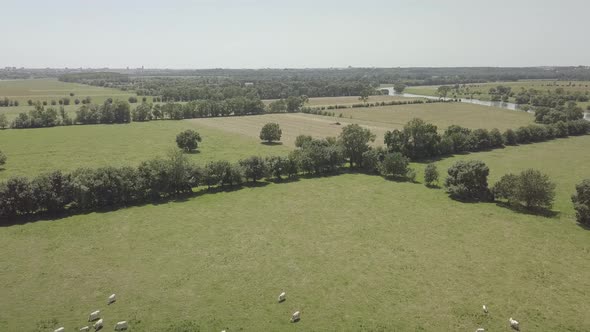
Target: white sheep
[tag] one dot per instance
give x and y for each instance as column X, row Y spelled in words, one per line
column 94, row 315
column 61, row 329
column 112, row 299
column 85, row 329
column 282, row 297
column 485, row 309
column 122, row 325
column 514, row 324
column 98, row 325
column 296, row 316
column 481, row 329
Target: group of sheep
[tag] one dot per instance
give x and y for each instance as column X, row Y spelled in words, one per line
column 513, row 322
column 122, row 325
column 98, row 321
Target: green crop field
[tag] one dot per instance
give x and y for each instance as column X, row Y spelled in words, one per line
column 353, row 252
column 32, row 151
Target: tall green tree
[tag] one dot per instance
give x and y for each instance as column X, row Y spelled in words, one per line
column 468, row 180
column 530, row 188
column 271, row 132
column 581, row 200
column 188, row 140
column 355, row 141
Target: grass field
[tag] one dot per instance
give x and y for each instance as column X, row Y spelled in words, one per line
column 32, row 151
column 353, row 252
column 378, row 119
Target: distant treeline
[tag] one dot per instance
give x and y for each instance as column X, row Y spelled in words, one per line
column 186, row 85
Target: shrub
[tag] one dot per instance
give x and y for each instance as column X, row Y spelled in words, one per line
column 581, row 200
column 188, row 140
column 271, row 132
column 430, row 174
column 132, row 100
column 468, row 180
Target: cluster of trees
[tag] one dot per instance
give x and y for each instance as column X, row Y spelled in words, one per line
column 569, row 112
column 5, row 102
column 468, row 181
column 500, row 93
column 420, row 140
column 40, row 117
column 198, row 109
column 109, row 112
column 291, row 104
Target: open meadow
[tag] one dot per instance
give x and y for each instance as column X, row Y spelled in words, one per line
column 353, row 252
column 378, row 119
column 33, row 151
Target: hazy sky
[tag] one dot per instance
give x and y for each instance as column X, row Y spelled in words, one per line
column 303, row 33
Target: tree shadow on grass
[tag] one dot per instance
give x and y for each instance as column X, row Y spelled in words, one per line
column 584, row 226
column 433, row 186
column 399, row 179
column 192, row 152
column 271, row 143
column 534, row 211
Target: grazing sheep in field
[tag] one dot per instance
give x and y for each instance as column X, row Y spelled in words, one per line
column 98, row 325
column 514, row 324
column 485, row 309
column 85, row 329
column 61, row 329
column 481, row 329
column 94, row 315
column 122, row 325
column 282, row 297
column 112, row 299
column 296, row 316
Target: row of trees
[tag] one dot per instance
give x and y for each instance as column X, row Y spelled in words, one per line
column 40, row 117
column 419, row 140
column 198, row 109
column 5, row 102
column 63, row 101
